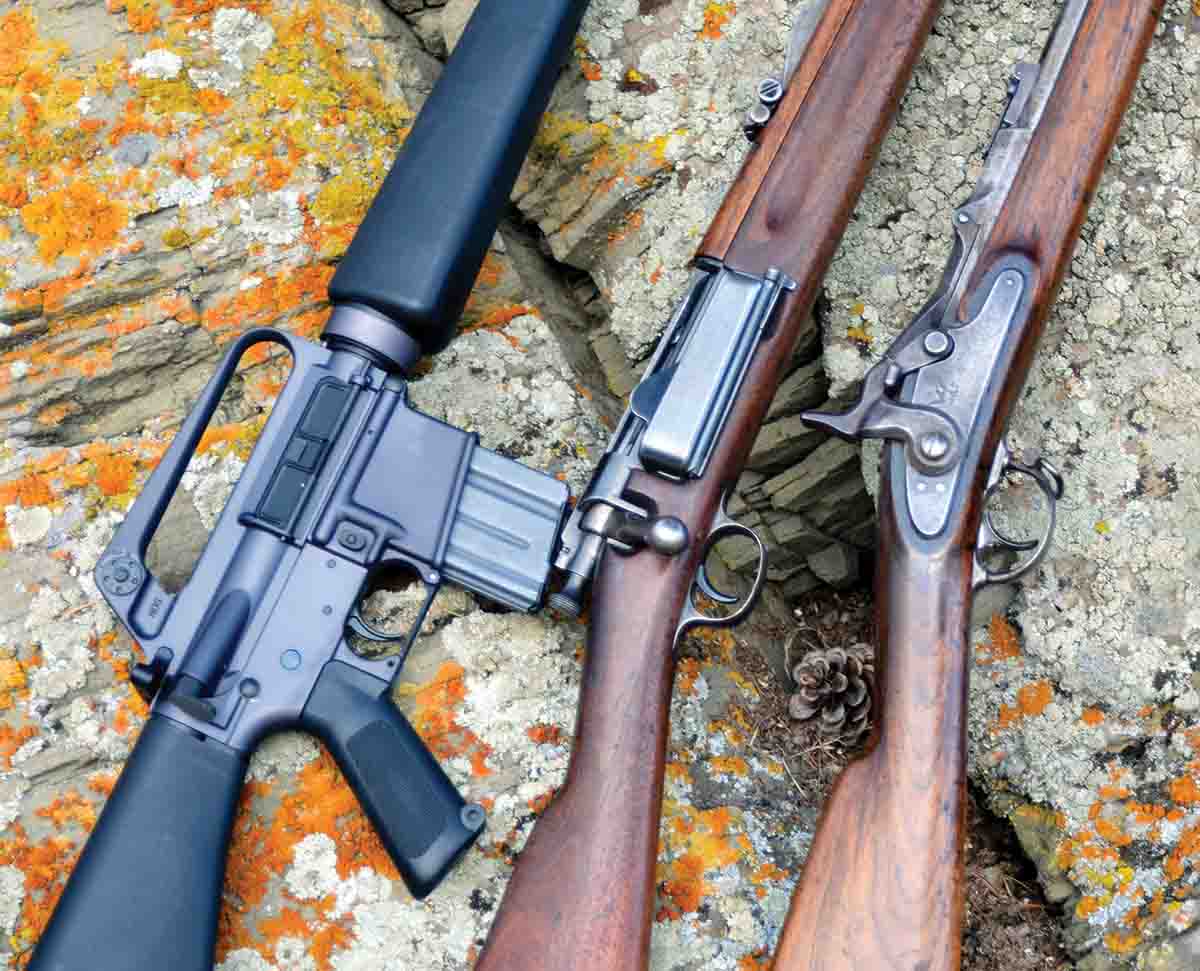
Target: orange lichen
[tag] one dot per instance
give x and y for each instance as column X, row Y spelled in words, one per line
column 1033, row 699
column 70, row 807
column 1112, row 833
column 75, row 221
column 140, row 15
column 435, row 722
column 686, row 887
column 687, row 676
column 729, row 765
column 1146, row 813
column 30, row 490
column 1184, row 790
column 699, row 841
column 45, row 864
column 272, row 298
column 716, row 16
column 13, row 682
column 538, row 804
column 542, row 734
column 1120, row 943
column 1003, row 643
column 320, row 802
column 12, row 739
column 1187, row 847
column 114, row 474
column 1092, row 717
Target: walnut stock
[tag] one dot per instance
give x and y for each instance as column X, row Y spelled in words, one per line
column 883, row 883
column 583, row 891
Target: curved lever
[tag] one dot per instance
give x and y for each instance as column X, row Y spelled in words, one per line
column 991, row 537
column 723, row 527
column 431, row 580
column 709, row 590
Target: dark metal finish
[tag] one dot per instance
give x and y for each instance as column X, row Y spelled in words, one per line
column 364, row 330
column 928, row 391
column 418, row 250
column 991, row 538
column 675, row 418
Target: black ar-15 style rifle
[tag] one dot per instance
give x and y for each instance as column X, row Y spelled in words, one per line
column 256, row 641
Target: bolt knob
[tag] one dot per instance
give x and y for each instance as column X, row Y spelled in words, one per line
column 667, row 536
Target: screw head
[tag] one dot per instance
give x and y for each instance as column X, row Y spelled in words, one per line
column 290, row 659
column 120, row 575
column 934, row 446
column 352, row 539
column 249, row 688
column 770, row 91
column 472, row 816
column 937, row 342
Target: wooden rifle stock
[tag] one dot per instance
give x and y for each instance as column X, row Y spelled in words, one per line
column 883, row 884
column 582, row 895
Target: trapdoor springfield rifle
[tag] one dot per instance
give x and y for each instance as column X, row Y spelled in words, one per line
column 883, row 883
column 582, row 894
column 256, row 642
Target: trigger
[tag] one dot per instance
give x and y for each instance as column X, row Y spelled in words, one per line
column 706, row 586
column 357, row 624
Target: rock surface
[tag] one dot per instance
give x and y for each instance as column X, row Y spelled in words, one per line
column 176, row 171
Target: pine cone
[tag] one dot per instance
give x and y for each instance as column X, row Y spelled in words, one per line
column 833, row 688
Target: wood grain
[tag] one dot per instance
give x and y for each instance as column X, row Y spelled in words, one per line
column 882, row 886
column 831, row 144
column 737, row 201
column 582, row 895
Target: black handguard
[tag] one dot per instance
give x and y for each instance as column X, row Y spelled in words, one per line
column 345, row 479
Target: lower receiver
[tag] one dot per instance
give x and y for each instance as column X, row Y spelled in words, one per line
column 345, row 480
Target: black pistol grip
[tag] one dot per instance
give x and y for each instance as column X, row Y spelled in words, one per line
column 146, row 890
column 423, row 821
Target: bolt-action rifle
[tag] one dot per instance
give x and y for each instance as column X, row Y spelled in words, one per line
column 346, row 478
column 883, row 883
column 582, row 894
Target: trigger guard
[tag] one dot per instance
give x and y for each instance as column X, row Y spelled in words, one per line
column 691, row 616
column 364, row 630
column 1050, row 482
column 709, row 590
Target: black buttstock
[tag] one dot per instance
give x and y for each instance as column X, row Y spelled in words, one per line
column 146, row 891
column 417, row 253
column 423, row 821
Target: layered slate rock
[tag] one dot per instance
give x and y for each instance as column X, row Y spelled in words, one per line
column 176, row 171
